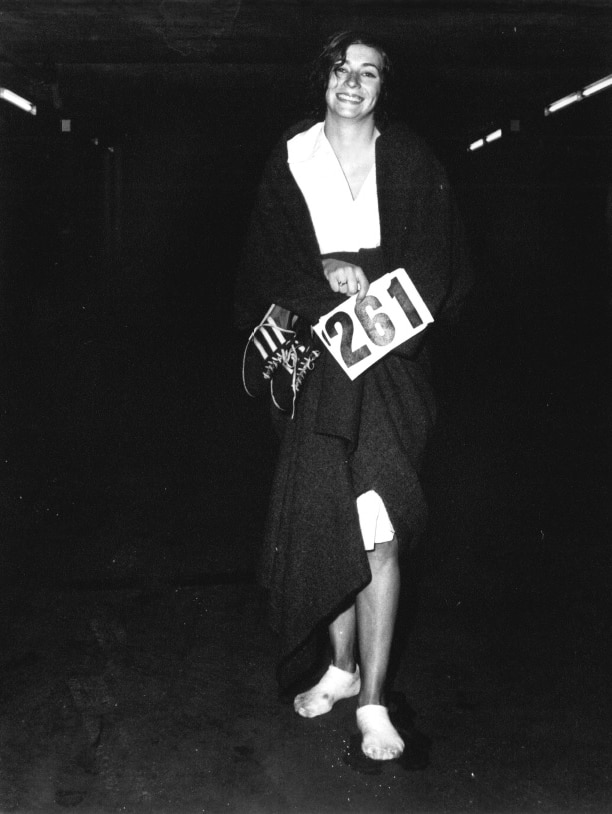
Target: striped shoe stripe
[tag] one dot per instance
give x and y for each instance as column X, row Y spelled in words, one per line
column 273, row 336
column 278, row 332
column 264, row 352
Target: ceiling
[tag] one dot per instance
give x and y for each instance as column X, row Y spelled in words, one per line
column 472, row 61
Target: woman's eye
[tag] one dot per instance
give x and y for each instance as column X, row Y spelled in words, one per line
column 340, row 69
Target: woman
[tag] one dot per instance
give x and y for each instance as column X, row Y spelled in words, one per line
column 342, row 202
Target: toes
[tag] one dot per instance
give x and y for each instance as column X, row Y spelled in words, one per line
column 311, row 704
column 306, row 712
column 377, row 750
column 377, row 753
column 311, row 710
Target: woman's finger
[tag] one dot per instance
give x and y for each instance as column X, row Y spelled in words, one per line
column 338, row 281
column 352, row 284
column 362, row 283
column 353, row 275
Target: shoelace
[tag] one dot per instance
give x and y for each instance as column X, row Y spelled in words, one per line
column 287, row 357
column 302, row 370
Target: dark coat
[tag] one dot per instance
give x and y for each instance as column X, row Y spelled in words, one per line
column 348, row 437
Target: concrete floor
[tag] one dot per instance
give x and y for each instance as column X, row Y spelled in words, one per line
column 138, row 671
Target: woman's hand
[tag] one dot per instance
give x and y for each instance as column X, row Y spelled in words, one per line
column 345, row 278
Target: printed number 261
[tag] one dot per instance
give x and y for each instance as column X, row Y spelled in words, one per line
column 379, row 328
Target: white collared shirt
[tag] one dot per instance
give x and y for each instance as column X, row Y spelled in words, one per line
column 341, row 222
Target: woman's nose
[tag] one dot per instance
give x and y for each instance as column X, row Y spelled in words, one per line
column 352, row 79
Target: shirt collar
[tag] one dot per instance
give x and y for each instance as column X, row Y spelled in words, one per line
column 308, row 145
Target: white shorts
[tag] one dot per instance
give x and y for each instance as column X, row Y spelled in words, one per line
column 374, row 521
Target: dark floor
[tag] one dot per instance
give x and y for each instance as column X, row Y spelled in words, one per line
column 137, row 668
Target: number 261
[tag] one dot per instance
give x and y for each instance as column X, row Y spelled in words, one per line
column 379, row 328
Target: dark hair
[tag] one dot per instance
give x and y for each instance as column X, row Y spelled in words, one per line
column 334, row 53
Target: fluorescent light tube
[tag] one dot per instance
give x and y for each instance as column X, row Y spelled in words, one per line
column 564, row 102
column 494, row 135
column 475, row 145
column 18, row 101
column 595, row 87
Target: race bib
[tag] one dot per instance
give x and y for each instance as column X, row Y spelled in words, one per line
column 359, row 334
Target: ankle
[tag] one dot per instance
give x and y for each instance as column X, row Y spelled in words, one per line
column 347, row 664
column 366, row 698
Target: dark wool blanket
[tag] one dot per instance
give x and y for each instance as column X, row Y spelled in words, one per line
column 347, row 437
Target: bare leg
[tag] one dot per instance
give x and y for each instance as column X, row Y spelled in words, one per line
column 342, row 677
column 342, row 634
column 376, row 613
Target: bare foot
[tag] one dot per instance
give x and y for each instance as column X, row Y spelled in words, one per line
column 381, row 740
column 333, row 686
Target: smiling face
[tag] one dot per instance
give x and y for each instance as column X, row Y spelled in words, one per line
column 355, row 84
